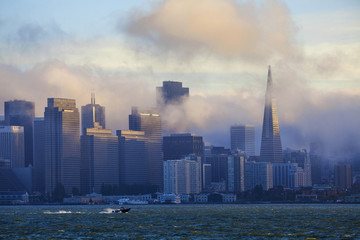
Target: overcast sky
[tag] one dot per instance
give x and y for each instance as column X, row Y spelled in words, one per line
column 220, row 49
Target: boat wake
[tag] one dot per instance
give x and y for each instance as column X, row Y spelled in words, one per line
column 60, row 212
column 107, row 211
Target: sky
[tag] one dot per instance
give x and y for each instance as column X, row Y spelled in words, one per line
column 220, row 49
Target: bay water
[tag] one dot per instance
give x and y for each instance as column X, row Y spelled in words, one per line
column 248, row 221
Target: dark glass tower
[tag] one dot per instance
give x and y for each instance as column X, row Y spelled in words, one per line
column 270, row 142
column 92, row 113
column 62, row 145
column 149, row 121
column 171, row 93
column 39, row 154
column 99, row 159
column 22, row 113
column 177, row 146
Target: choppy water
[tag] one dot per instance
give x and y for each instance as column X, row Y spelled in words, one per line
column 182, row 222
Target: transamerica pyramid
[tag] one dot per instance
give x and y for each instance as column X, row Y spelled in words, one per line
column 271, row 150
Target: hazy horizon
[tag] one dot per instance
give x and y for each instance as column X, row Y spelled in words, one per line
column 219, row 49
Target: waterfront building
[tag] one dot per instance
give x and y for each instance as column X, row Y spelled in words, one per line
column 39, row 154
column 12, row 154
column 99, row 159
column 149, row 122
column 133, row 157
column 236, row 173
column 342, row 176
column 270, row 150
column 171, row 93
column 288, row 175
column 62, row 145
column 242, row 137
column 183, row 176
column 92, row 113
column 302, row 159
column 177, row 146
column 258, row 173
column 22, row 113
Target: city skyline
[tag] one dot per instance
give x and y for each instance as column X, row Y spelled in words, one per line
column 317, row 68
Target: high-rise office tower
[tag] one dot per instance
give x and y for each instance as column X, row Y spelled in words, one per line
column 270, row 142
column 62, row 145
column 177, row 146
column 149, row 121
column 12, row 147
column 22, row 113
column 182, row 176
column 133, row 157
column 92, row 113
column 258, row 173
column 39, row 154
column 342, row 176
column 242, row 137
column 171, row 93
column 288, row 175
column 99, row 159
column 236, row 173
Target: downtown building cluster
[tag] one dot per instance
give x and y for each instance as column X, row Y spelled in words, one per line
column 56, row 151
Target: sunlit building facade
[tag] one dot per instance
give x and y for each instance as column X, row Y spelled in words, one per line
column 62, row 145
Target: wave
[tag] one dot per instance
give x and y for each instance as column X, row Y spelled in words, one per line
column 60, row 212
column 107, row 210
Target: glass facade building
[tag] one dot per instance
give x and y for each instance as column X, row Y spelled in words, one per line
column 242, row 137
column 62, row 145
column 22, row 113
column 99, row 159
column 149, row 122
column 12, row 147
column 92, row 113
column 133, row 157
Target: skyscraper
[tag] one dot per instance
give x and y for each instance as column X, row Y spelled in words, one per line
column 39, row 154
column 62, row 144
column 92, row 113
column 177, row 146
column 236, row 173
column 258, row 173
column 133, row 157
column 242, row 137
column 22, row 113
column 99, row 159
column 171, row 93
column 342, row 176
column 12, row 147
column 270, row 142
column 182, row 176
column 149, row 121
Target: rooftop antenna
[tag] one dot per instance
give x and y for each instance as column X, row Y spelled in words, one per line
column 92, row 98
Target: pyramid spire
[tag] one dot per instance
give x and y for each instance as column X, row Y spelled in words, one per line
column 271, row 150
